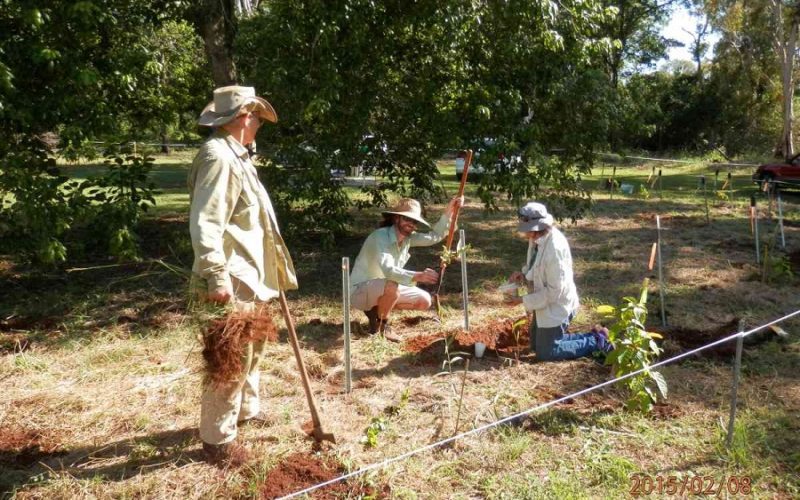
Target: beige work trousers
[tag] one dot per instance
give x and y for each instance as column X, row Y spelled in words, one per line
column 223, row 407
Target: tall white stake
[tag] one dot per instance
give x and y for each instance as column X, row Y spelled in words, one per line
column 461, row 248
column 660, row 274
column 780, row 219
column 348, row 381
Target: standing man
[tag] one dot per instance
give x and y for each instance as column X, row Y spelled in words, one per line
column 238, row 249
column 379, row 283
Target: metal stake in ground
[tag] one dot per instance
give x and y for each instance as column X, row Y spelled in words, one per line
column 754, row 226
column 660, row 274
column 780, row 218
column 716, row 179
column 317, row 432
column 348, row 382
column 461, row 247
column 737, row 368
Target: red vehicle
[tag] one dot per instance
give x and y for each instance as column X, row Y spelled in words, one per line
column 786, row 172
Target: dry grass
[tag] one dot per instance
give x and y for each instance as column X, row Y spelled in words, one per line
column 98, row 406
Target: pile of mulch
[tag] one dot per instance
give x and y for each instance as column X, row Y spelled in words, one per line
column 225, row 341
column 300, row 471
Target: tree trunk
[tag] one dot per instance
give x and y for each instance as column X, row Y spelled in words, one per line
column 785, row 47
column 215, row 22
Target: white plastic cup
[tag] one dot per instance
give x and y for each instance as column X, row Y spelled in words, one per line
column 480, row 347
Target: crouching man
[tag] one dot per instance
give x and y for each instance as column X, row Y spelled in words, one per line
column 379, row 283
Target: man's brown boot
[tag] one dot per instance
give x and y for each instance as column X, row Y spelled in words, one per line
column 226, row 455
column 372, row 316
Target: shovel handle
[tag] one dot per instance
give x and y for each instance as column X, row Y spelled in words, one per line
column 302, row 367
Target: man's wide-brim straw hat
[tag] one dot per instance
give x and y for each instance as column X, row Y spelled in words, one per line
column 408, row 207
column 229, row 102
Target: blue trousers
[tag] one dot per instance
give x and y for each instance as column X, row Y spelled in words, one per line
column 553, row 344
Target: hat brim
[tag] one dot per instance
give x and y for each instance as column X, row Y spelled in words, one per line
column 410, row 215
column 536, row 225
column 210, row 118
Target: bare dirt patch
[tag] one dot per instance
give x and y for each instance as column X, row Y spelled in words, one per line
column 498, row 335
column 299, row 471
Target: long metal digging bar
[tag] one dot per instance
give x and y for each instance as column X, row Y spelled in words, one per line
column 317, row 433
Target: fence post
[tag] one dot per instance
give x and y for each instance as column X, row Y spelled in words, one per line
column 705, row 197
column 754, row 215
column 613, row 181
column 660, row 274
column 780, row 219
column 462, row 249
column 348, row 381
column 737, row 368
column 716, row 179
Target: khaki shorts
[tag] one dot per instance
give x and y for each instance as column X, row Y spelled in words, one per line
column 366, row 294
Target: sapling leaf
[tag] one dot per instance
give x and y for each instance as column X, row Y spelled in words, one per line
column 605, row 310
column 661, row 383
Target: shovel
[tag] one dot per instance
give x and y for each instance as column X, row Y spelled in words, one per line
column 317, row 432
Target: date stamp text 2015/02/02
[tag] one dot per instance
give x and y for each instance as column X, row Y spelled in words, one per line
column 643, row 484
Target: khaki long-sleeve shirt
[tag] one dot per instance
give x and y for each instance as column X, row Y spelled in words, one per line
column 232, row 222
column 382, row 257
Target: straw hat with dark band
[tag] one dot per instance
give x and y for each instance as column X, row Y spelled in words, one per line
column 408, row 207
column 230, row 101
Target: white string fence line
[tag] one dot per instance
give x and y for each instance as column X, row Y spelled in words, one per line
column 542, row 406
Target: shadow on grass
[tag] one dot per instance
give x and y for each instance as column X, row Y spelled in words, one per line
column 117, row 461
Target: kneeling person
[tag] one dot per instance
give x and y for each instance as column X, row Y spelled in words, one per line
column 379, row 283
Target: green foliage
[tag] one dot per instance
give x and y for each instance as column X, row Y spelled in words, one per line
column 44, row 215
column 635, row 349
column 375, row 427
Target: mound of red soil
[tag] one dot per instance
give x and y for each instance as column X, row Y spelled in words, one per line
column 20, row 447
column 498, row 335
column 300, row 471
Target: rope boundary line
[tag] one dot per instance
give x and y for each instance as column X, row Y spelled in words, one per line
column 542, row 406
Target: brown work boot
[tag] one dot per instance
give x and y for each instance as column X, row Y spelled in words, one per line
column 388, row 333
column 372, row 316
column 226, row 455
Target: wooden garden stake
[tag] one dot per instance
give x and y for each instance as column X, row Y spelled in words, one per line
column 652, row 257
column 348, row 381
column 716, row 179
column 461, row 248
column 737, row 367
column 660, row 273
column 660, row 185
